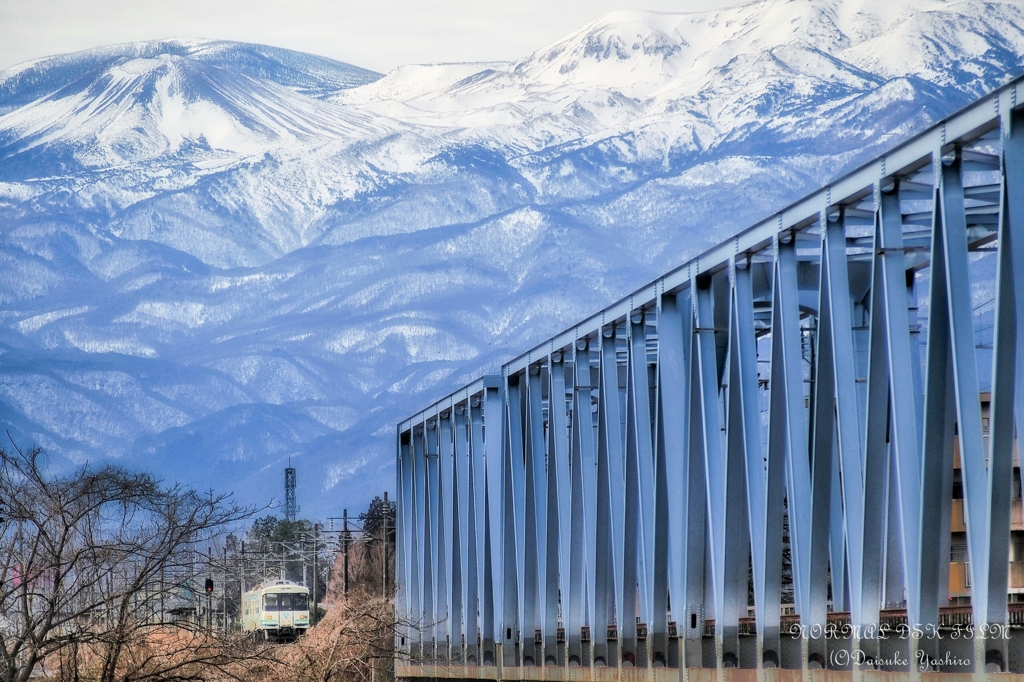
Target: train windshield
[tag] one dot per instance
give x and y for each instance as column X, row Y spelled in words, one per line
column 285, row 602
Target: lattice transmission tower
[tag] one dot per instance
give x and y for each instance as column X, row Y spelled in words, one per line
column 290, row 508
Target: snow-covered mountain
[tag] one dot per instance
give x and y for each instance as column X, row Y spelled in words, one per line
column 215, row 256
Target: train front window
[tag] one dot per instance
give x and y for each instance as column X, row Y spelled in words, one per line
column 285, row 602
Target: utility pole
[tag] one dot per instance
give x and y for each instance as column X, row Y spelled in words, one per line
column 384, row 587
column 209, row 592
column 163, row 593
column 241, row 582
column 344, row 545
column 316, row 610
column 224, row 589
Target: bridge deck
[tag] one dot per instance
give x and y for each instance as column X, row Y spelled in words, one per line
column 490, row 673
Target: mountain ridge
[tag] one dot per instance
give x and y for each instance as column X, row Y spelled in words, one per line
column 339, row 257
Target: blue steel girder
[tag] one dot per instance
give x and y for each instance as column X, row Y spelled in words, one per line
column 513, row 515
column 711, row 427
column 577, row 548
column 610, row 488
column 639, row 577
column 750, row 470
column 535, row 501
column 743, row 435
column 445, row 464
column 695, row 527
column 628, row 469
column 556, row 469
column 477, row 597
column 464, row 630
column 672, row 436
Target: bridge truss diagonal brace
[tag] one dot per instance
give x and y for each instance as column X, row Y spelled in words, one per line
column 672, row 417
column 835, row 312
column 951, row 233
column 479, row 599
column 1007, row 408
column 640, row 492
column 744, row 465
column 446, row 527
column 494, row 524
column 764, row 478
column 695, row 530
column 582, row 514
column 462, row 563
column 535, row 503
column 513, row 519
column 557, row 570
column 787, row 432
column 836, row 325
column 891, row 265
column 610, row 489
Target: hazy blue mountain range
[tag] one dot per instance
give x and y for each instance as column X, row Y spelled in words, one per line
column 215, row 256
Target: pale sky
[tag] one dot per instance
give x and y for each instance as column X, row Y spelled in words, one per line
column 377, row 34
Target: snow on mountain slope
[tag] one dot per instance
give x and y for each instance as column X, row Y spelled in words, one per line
column 414, row 81
column 304, row 73
column 147, row 107
column 215, row 256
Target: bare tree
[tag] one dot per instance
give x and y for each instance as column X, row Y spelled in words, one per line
column 354, row 643
column 89, row 563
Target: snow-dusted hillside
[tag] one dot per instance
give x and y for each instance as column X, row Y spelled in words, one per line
column 214, row 256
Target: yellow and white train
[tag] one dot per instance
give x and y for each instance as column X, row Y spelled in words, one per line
column 276, row 611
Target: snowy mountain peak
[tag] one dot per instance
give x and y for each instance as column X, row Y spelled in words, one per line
column 635, row 50
column 303, row 73
column 157, row 100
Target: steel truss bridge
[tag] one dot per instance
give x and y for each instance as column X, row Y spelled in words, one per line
column 761, row 444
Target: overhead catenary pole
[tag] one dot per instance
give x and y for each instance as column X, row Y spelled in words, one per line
column 344, row 545
column 224, row 589
column 209, row 593
column 316, row 610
